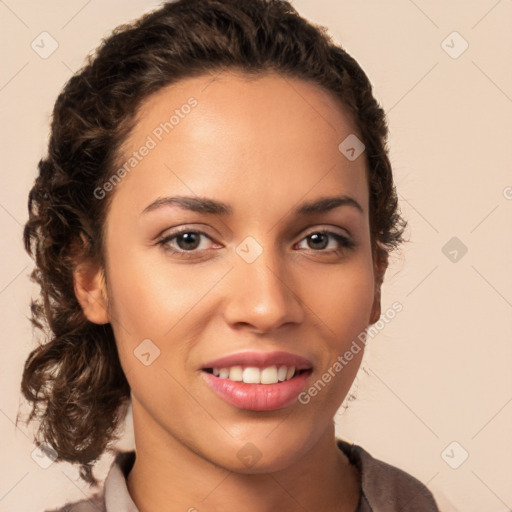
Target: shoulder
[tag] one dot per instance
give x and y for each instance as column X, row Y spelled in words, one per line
column 386, row 487
column 113, row 493
column 95, row 503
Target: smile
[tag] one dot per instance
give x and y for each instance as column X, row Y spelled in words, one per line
column 255, row 375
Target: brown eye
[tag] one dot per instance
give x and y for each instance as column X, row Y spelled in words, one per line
column 319, row 241
column 183, row 242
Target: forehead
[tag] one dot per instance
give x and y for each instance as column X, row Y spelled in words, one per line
column 227, row 134
column 266, row 99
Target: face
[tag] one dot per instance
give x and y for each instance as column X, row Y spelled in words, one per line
column 261, row 277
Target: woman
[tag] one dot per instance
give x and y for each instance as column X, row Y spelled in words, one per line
column 211, row 229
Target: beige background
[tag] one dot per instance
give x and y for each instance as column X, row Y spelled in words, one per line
column 440, row 371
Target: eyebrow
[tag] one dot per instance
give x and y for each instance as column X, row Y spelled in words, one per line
column 211, row 206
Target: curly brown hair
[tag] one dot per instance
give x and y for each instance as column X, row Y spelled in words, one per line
column 74, row 380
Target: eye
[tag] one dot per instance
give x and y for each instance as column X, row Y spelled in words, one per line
column 320, row 240
column 187, row 241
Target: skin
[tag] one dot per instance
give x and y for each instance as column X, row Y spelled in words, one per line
column 263, row 146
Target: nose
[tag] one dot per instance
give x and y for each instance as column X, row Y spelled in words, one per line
column 263, row 295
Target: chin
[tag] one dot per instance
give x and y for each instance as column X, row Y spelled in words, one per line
column 263, row 454
column 262, row 465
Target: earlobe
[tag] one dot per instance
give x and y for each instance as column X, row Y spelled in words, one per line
column 91, row 292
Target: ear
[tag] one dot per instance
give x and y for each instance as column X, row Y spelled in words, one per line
column 379, row 269
column 91, row 292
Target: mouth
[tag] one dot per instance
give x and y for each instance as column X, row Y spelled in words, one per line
column 258, row 381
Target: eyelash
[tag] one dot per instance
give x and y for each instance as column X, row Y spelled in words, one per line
column 345, row 242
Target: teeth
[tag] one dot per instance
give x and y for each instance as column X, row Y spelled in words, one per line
column 269, row 375
column 253, row 375
column 236, row 373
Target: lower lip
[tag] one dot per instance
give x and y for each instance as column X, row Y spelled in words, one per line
column 258, row 397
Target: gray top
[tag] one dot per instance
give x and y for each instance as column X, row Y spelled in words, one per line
column 384, row 488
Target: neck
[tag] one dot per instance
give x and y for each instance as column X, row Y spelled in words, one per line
column 169, row 477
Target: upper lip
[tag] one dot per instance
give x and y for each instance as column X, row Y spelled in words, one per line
column 260, row 360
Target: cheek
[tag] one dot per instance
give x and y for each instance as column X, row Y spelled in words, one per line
column 343, row 305
column 147, row 296
column 343, row 298
column 165, row 304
